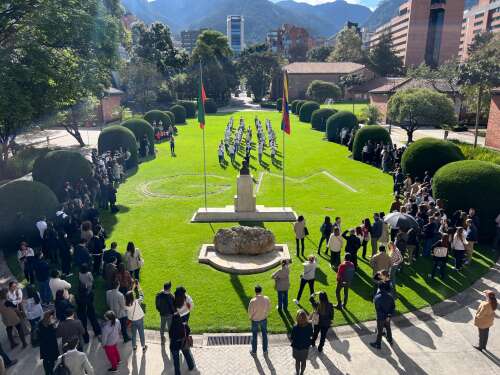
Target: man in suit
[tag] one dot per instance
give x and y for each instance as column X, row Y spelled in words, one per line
column 76, row 361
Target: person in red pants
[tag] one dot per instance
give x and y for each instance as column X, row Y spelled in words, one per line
column 110, row 336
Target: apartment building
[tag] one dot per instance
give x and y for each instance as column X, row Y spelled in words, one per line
column 189, row 38
column 236, row 33
column 288, row 37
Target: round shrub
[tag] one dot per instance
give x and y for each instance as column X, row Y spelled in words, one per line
column 171, row 116
column 155, row 116
column 470, row 183
column 306, row 111
column 299, row 105
column 56, row 167
column 179, row 113
column 279, row 104
column 23, row 204
column 337, row 122
column 189, row 106
column 429, row 154
column 319, row 118
column 210, row 106
column 371, row 132
column 115, row 137
column 140, row 128
column 293, row 106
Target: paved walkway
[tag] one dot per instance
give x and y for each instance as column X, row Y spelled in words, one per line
column 434, row 340
column 399, row 136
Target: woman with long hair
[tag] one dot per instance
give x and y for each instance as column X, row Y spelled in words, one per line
column 110, row 336
column 135, row 314
column 458, row 245
column 183, row 303
column 302, row 333
column 366, row 228
column 133, row 260
column 125, row 279
column 485, row 316
column 326, row 230
column 49, row 351
column 322, row 318
column 34, row 311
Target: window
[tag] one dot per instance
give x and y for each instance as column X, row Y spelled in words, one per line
column 479, row 15
column 438, row 2
column 478, row 23
column 403, row 11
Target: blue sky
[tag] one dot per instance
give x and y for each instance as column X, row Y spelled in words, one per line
column 369, row 3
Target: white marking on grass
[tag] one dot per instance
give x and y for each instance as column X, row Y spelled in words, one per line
column 259, row 182
column 346, row 185
column 326, row 173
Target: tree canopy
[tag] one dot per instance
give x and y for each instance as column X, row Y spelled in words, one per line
column 382, row 59
column 319, row 54
column 348, row 45
column 319, row 91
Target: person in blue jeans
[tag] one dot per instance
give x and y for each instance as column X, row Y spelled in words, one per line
column 282, row 284
column 42, row 273
column 179, row 341
column 258, row 310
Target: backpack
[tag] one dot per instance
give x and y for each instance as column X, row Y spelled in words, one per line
column 348, row 275
column 61, row 368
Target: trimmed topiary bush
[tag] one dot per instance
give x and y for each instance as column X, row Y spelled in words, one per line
column 210, row 106
column 140, row 127
column 306, row 111
column 470, row 184
column 171, row 116
column 155, row 116
column 56, row 167
column 371, row 132
column 337, row 122
column 23, row 204
column 179, row 113
column 319, row 118
column 429, row 154
column 279, row 104
column 293, row 106
column 115, row 137
column 299, row 105
column 189, row 106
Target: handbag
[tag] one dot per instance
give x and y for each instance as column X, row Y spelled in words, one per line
column 306, row 231
column 187, row 341
column 61, row 368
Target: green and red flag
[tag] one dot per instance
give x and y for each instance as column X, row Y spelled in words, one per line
column 202, row 98
column 285, row 122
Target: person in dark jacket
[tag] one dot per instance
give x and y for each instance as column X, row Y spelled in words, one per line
column 111, row 254
column 49, row 350
column 324, row 313
column 326, row 230
column 301, row 337
column 64, row 248
column 112, row 198
column 62, row 304
column 85, row 307
column 384, row 307
column 179, row 341
column 82, row 255
column 353, row 243
column 42, row 273
column 376, row 232
column 96, row 247
column 440, row 256
column 165, row 306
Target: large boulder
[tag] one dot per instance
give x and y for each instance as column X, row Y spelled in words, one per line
column 244, row 241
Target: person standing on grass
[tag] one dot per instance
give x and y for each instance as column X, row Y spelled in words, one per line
column 258, row 310
column 471, row 236
column 458, row 245
column 307, row 277
column 115, row 301
column 384, row 307
column 439, row 256
column 133, row 260
column 282, row 285
column 326, row 230
column 345, row 275
column 366, row 229
column 485, row 316
column 396, row 261
column 172, row 146
column 165, row 306
column 300, row 233
column 49, row 350
column 411, row 245
column 301, row 336
column 220, row 152
column 109, row 341
column 322, row 318
column 353, row 243
column 335, row 243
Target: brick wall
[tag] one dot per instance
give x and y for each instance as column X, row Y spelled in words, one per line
column 380, row 101
column 493, row 132
column 110, row 105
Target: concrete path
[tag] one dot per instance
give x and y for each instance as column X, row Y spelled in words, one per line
column 399, row 136
column 434, row 340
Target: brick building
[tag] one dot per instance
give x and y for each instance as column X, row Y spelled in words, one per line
column 423, row 31
column 493, row 131
column 484, row 17
column 109, row 108
column 288, row 37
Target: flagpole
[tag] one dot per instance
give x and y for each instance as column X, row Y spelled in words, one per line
column 283, row 167
column 204, row 152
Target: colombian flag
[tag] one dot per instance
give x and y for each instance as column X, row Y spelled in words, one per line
column 285, row 122
column 202, row 97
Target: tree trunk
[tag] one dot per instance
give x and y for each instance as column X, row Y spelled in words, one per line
column 409, row 134
column 478, row 114
column 75, row 133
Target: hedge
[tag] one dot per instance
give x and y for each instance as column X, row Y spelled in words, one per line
column 298, row 106
column 115, row 137
column 268, row 105
column 23, row 204
column 155, row 116
column 429, row 154
column 171, row 116
column 189, row 106
column 371, row 132
column 319, row 118
column 179, row 113
column 56, row 167
column 210, row 106
column 293, row 106
column 279, row 104
column 470, row 183
column 337, row 122
column 306, row 111
column 140, row 128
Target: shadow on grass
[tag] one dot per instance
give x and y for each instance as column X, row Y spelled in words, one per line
column 284, row 315
column 109, row 219
column 238, row 288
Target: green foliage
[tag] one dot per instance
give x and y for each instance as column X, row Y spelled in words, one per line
column 470, row 183
column 23, row 204
column 115, row 137
column 348, row 46
column 56, row 167
column 319, row 118
column 154, row 117
column 279, row 104
column 479, row 153
column 374, row 133
column 293, row 106
column 171, row 115
column 299, row 105
column 429, row 154
column 322, row 90
column 382, row 59
column 339, row 121
column 21, row 163
column 306, row 111
column 319, row 54
column 142, row 83
column 140, row 128
column 189, row 106
column 210, row 106
column 371, row 114
column 180, row 113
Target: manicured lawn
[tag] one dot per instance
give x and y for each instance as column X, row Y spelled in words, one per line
column 358, row 106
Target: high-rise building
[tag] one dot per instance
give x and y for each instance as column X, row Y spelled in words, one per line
column 484, row 17
column 424, row 31
column 189, row 38
column 236, row 33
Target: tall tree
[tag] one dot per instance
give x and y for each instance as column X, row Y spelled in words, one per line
column 319, row 54
column 348, row 46
column 383, row 60
column 297, row 53
column 142, row 82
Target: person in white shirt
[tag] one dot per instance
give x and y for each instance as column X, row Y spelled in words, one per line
column 307, row 277
column 26, row 258
column 135, row 314
column 458, row 245
column 15, row 294
column 41, row 225
column 335, row 244
column 56, row 283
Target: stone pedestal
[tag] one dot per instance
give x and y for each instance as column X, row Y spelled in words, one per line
column 245, row 201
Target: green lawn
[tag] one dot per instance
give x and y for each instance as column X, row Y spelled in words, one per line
column 358, row 107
